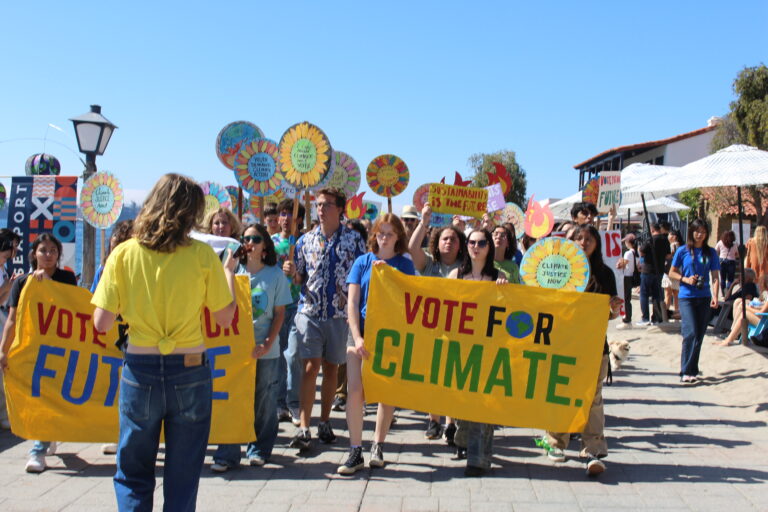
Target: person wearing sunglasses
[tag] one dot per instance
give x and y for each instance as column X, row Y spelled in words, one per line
column 324, row 257
column 289, row 374
column 474, row 441
column 270, row 294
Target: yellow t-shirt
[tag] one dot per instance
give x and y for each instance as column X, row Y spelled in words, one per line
column 161, row 295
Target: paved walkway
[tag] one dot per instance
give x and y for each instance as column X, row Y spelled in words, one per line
column 670, row 447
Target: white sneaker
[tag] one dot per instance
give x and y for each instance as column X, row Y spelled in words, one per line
column 295, row 417
column 52, row 448
column 219, row 468
column 595, row 467
column 35, row 464
column 623, row 325
column 109, row 448
column 643, row 323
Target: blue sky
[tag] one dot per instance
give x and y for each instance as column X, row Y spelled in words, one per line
column 432, row 82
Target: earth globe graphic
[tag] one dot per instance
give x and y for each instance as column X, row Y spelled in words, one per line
column 519, row 324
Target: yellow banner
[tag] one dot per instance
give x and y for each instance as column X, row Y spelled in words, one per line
column 508, row 355
column 63, row 377
column 451, row 199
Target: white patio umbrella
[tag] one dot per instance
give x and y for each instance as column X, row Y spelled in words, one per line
column 735, row 166
column 661, row 205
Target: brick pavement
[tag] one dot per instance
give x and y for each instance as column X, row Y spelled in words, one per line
column 670, row 448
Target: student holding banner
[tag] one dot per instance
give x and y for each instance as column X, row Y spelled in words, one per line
column 475, row 440
column 44, row 257
column 447, row 249
column 269, row 295
column 388, row 243
column 9, row 241
column 601, row 280
column 159, row 281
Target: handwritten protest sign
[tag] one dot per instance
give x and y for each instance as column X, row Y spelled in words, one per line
column 63, row 376
column 458, row 200
column 609, row 187
column 495, row 198
column 556, row 263
column 507, row 355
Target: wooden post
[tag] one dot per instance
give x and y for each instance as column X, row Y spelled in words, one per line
column 389, row 204
column 102, row 251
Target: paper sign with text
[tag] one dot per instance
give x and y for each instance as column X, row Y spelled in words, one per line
column 63, row 376
column 500, row 354
column 458, row 200
column 609, row 190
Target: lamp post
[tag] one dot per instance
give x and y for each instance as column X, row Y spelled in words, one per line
column 93, row 132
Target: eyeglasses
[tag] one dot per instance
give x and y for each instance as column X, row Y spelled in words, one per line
column 381, row 234
column 406, row 220
column 324, row 206
column 253, row 239
column 481, row 244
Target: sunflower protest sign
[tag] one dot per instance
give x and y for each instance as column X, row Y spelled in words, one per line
column 63, row 376
column 501, row 354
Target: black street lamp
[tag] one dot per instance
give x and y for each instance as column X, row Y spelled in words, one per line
column 93, row 132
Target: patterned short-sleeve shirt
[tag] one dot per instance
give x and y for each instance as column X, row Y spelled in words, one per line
column 324, row 264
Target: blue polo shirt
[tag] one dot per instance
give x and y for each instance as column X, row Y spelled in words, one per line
column 689, row 265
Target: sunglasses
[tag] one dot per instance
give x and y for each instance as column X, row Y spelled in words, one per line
column 253, row 239
column 482, row 244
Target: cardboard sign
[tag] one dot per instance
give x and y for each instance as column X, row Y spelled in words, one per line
column 609, row 191
column 495, row 198
column 101, row 200
column 458, row 200
column 63, row 376
column 499, row 354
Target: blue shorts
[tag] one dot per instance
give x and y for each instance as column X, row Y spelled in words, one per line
column 325, row 339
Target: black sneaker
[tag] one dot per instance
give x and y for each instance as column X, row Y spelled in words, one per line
column 450, row 433
column 339, row 403
column 434, row 430
column 377, row 456
column 461, row 453
column 301, row 440
column 354, row 461
column 325, row 434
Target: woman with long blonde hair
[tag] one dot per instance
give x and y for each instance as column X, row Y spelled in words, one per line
column 159, row 281
column 757, row 252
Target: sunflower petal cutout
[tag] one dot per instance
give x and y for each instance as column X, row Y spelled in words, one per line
column 387, row 175
column 101, row 200
column 304, row 155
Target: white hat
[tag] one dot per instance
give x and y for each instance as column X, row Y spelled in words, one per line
column 409, row 212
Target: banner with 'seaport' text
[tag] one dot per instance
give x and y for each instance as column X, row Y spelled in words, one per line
column 63, row 377
column 501, row 354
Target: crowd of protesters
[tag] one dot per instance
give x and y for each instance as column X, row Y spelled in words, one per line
column 310, row 296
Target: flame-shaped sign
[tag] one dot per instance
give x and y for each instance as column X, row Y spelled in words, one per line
column 355, row 208
column 539, row 219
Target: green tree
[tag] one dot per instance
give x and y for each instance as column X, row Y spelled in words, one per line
column 483, row 162
column 746, row 123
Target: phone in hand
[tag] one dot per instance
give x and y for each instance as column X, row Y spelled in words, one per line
column 238, row 249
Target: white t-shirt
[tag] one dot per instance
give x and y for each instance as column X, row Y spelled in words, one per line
column 629, row 269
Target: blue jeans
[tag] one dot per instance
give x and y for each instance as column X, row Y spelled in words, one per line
column 160, row 391
column 694, row 317
column 650, row 291
column 265, row 422
column 40, row 448
column 727, row 273
column 479, row 444
column 289, row 377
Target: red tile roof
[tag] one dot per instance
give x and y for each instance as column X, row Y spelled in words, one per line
column 643, row 145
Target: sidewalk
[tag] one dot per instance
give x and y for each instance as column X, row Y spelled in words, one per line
column 674, row 447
